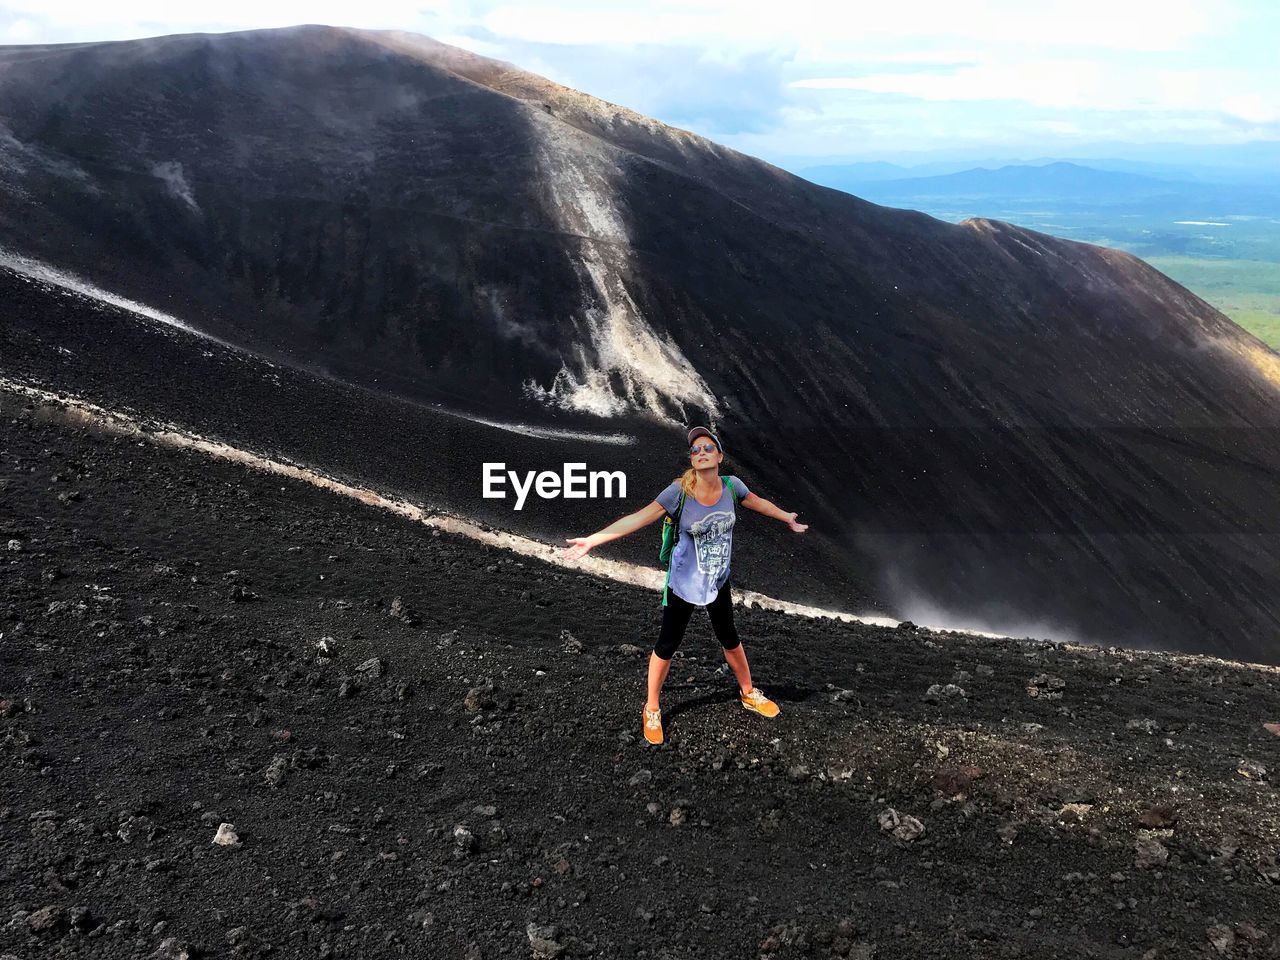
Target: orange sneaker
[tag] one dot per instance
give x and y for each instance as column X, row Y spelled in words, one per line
column 756, row 701
column 653, row 725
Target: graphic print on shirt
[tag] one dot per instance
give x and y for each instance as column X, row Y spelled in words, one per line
column 711, row 539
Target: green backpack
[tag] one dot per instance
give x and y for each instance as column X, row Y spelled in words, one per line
column 671, row 534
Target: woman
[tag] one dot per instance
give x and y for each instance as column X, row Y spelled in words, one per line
column 699, row 571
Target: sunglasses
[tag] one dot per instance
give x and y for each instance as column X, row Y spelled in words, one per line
column 700, row 447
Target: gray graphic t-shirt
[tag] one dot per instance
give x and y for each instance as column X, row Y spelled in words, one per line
column 700, row 560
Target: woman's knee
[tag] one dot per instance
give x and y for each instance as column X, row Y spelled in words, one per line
column 727, row 634
column 665, row 648
column 669, row 636
column 675, row 620
column 721, row 613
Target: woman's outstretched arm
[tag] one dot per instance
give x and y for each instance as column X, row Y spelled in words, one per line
column 619, row 528
column 771, row 509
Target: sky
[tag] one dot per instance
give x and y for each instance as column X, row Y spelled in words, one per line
column 809, row 82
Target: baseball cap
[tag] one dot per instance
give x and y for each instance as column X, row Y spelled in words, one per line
column 705, row 432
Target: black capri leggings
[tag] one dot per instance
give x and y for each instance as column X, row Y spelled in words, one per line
column 675, row 618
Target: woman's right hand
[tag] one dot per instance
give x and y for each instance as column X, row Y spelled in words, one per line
column 581, row 545
column 619, row 528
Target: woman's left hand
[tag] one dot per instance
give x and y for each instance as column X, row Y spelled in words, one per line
column 797, row 527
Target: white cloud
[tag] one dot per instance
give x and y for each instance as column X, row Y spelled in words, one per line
column 155, row 17
column 1253, row 108
column 823, row 29
column 860, row 74
column 818, row 30
column 21, row 30
column 1078, row 84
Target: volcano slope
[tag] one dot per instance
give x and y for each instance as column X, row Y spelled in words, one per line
column 73, row 344
column 428, row 748
column 997, row 424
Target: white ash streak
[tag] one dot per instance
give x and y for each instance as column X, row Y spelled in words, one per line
column 170, row 172
column 622, row 347
column 170, row 435
column 51, row 277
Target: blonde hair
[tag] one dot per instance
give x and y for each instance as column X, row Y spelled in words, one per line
column 689, row 478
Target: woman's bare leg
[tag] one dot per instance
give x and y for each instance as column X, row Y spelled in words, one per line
column 737, row 658
column 658, row 670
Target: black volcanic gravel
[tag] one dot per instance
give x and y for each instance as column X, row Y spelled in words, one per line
column 184, row 643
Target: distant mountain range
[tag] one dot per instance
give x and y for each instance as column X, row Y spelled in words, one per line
column 1060, row 181
column 1256, row 164
column 983, row 424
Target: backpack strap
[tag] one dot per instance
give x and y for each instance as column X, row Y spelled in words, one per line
column 679, row 509
column 728, row 481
